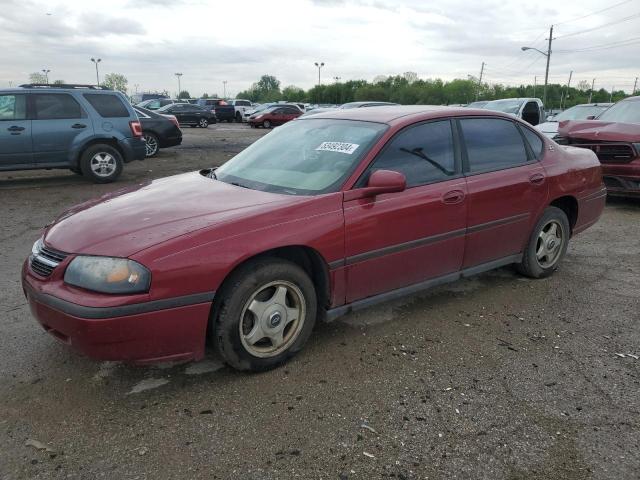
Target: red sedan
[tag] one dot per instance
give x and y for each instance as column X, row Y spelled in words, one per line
column 322, row 217
column 274, row 116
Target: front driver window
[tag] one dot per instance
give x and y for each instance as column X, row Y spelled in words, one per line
column 423, row 153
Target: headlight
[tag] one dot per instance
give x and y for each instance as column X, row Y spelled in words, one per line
column 108, row 275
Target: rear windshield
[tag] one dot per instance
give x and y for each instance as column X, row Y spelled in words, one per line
column 625, row 112
column 108, row 106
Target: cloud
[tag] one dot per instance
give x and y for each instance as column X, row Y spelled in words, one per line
column 100, row 25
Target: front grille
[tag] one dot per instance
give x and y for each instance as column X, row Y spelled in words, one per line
column 46, row 260
column 611, row 152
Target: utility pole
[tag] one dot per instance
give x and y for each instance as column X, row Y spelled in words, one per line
column 566, row 95
column 593, row 82
column 546, row 74
column 480, row 81
column 224, row 89
column 178, row 74
column 535, row 84
column 611, row 95
column 337, row 79
column 634, row 86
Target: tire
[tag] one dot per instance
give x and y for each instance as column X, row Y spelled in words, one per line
column 152, row 144
column 547, row 245
column 240, row 334
column 266, row 124
column 101, row 163
column 238, row 117
column 203, row 123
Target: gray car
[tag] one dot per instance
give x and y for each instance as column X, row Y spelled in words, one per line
column 90, row 130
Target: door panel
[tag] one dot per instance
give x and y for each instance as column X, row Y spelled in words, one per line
column 398, row 239
column 15, row 132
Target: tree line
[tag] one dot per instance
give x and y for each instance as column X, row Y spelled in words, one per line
column 408, row 89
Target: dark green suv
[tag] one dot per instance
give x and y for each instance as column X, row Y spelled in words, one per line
column 90, row 130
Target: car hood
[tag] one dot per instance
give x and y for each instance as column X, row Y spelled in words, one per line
column 548, row 128
column 598, row 130
column 127, row 221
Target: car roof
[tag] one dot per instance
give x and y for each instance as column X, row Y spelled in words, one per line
column 403, row 113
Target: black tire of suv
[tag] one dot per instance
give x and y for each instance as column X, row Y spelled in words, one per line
column 236, row 292
column 530, row 266
column 238, row 118
column 92, row 151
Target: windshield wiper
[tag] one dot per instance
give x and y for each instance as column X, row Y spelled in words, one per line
column 238, row 185
column 418, row 153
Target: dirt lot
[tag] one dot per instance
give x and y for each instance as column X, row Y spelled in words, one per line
column 495, row 377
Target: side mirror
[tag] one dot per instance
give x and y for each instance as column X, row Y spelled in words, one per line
column 380, row 181
column 591, row 117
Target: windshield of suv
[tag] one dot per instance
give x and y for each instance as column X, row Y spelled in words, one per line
column 506, row 106
column 303, row 157
column 625, row 112
column 579, row 112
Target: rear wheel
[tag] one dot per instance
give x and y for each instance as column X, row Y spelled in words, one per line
column 267, row 313
column 101, row 163
column 238, row 117
column 266, row 124
column 152, row 144
column 203, row 123
column 547, row 245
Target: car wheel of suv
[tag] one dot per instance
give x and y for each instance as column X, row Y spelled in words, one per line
column 266, row 314
column 238, row 118
column 152, row 144
column 266, row 124
column 547, row 245
column 101, row 163
column 203, row 123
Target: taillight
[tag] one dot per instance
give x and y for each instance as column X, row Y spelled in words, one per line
column 174, row 120
column 136, row 128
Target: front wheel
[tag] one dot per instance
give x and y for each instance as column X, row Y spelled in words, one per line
column 266, row 315
column 203, row 123
column 547, row 245
column 101, row 163
column 266, row 124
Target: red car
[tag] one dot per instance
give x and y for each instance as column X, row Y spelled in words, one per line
column 326, row 215
column 615, row 139
column 274, row 116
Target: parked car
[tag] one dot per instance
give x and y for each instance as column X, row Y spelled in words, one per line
column 158, row 131
column 274, row 116
column 240, row 106
column 188, row 114
column 365, row 104
column 614, row 136
column 531, row 110
column 478, row 104
column 141, row 97
column 222, row 110
column 578, row 112
column 322, row 217
column 89, row 130
column 156, row 103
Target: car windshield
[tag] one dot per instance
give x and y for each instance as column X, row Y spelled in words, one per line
column 625, row 112
column 304, row 157
column 579, row 112
column 506, row 106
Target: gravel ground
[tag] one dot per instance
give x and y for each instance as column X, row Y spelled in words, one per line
column 496, row 376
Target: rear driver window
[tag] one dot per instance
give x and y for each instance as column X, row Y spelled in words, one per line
column 108, row 106
column 56, row 106
column 492, row 144
column 535, row 142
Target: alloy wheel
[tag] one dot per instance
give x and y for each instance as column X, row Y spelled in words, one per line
column 103, row 164
column 549, row 244
column 151, row 145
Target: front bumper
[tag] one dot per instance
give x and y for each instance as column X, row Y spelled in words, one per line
column 164, row 330
column 622, row 179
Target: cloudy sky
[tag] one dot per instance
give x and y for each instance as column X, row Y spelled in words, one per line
column 237, row 41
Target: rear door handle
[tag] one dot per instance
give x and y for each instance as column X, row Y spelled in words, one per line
column 536, row 179
column 78, row 125
column 15, row 128
column 453, row 197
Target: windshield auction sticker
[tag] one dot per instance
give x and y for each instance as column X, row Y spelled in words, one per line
column 339, row 147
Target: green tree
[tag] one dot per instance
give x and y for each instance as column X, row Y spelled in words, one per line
column 205, row 95
column 37, row 77
column 293, row 94
column 184, row 94
column 116, row 81
column 58, row 82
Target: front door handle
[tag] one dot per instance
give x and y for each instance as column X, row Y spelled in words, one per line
column 536, row 179
column 15, row 128
column 78, row 125
column 453, row 197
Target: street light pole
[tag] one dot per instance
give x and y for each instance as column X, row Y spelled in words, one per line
column 97, row 61
column 480, row 81
column 319, row 65
column 337, row 79
column 178, row 74
column 46, row 74
column 535, row 84
column 548, row 55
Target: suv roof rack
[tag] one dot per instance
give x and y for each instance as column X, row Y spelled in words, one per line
column 63, row 85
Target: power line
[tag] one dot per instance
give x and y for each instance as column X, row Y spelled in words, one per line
column 593, row 13
column 625, row 19
column 604, row 46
